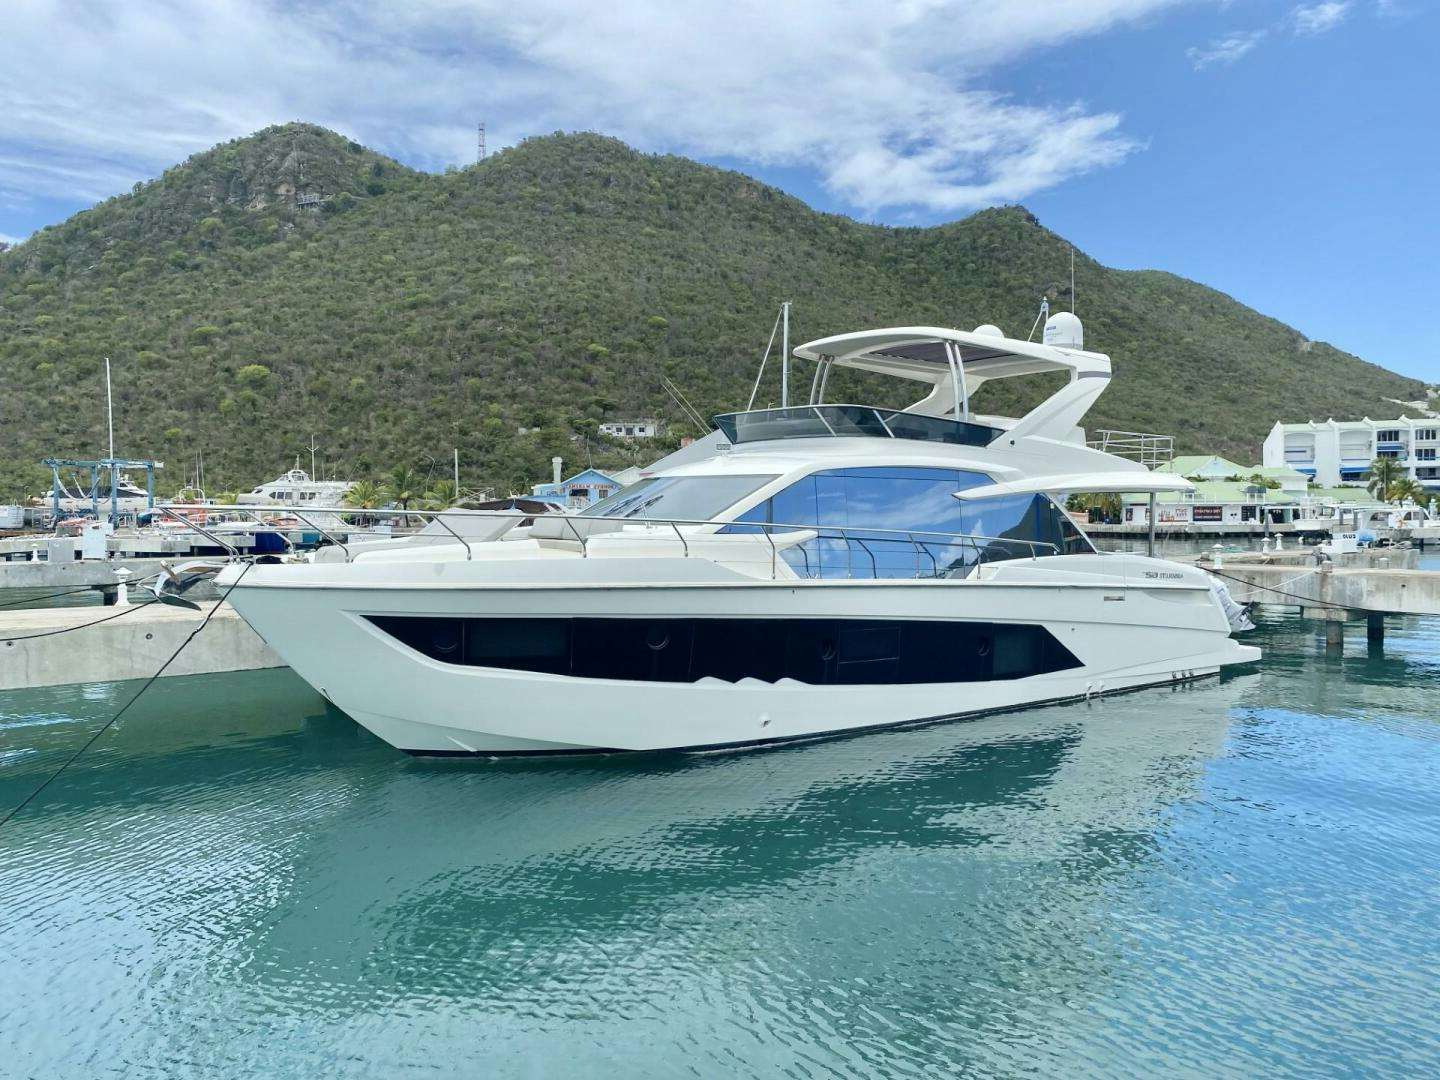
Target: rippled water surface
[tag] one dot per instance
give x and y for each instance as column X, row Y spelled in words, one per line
column 1228, row 879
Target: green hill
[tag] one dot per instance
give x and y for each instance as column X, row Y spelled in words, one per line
column 293, row 283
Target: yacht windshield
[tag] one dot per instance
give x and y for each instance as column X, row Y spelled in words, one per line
column 680, row 498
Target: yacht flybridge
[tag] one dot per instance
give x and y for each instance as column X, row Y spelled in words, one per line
column 833, row 568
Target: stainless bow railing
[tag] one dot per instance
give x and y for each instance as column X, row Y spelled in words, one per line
column 922, row 543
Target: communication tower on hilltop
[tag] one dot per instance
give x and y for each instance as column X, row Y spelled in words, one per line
column 480, row 142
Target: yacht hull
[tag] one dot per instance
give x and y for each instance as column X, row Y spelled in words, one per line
column 1121, row 638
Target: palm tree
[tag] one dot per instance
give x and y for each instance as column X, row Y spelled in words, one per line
column 1405, row 488
column 406, row 487
column 366, row 495
column 1383, row 472
column 441, row 494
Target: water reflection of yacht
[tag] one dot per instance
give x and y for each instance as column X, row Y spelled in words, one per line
column 653, row 839
column 579, row 872
column 839, row 567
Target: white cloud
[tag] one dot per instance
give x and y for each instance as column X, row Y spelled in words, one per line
column 1319, row 18
column 1225, row 51
column 6, row 238
column 889, row 105
column 1306, row 20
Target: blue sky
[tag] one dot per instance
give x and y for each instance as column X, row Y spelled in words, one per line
column 1282, row 152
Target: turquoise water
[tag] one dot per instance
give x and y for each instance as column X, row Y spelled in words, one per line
column 1234, row 878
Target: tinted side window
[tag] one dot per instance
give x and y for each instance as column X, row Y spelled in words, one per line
column 872, row 505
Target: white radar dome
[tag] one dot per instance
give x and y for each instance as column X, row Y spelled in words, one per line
column 1064, row 329
column 989, row 330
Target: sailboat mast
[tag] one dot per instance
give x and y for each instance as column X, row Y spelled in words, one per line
column 110, row 428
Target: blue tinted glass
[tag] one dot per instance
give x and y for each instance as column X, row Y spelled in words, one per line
column 810, row 421
column 853, row 420
column 1008, row 516
column 796, row 504
column 873, row 505
column 686, row 498
column 760, row 512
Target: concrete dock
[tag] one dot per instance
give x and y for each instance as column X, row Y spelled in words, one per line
column 1336, row 594
column 1384, row 592
column 94, row 573
column 131, row 644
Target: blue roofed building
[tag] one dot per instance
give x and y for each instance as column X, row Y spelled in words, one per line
column 584, row 489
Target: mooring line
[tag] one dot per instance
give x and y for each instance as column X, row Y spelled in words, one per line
column 126, row 610
column 1305, row 600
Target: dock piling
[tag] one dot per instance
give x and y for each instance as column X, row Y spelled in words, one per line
column 1334, row 631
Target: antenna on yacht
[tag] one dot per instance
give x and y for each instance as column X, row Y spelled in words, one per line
column 761, row 373
column 785, row 357
column 313, row 448
column 1072, row 279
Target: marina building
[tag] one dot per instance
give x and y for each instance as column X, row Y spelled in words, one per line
column 577, row 492
column 1219, row 503
column 1212, row 467
column 1204, row 467
column 1335, row 452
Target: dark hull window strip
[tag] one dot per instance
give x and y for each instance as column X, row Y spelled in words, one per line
column 821, row 652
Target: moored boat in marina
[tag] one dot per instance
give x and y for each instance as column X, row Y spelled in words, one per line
column 836, row 568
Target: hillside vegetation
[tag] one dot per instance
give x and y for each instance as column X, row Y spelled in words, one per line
column 509, row 307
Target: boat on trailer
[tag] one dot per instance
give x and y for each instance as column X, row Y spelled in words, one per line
column 833, row 568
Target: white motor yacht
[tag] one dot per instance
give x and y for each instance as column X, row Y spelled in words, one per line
column 834, row 568
column 298, row 491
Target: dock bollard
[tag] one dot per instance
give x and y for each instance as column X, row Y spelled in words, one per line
column 122, row 593
column 1218, row 561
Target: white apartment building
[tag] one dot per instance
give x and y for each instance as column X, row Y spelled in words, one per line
column 1337, row 452
column 647, row 428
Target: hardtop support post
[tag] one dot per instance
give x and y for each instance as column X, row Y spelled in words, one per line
column 1150, row 526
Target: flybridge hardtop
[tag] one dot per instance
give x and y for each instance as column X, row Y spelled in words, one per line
column 957, row 363
column 924, row 354
column 1045, row 447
